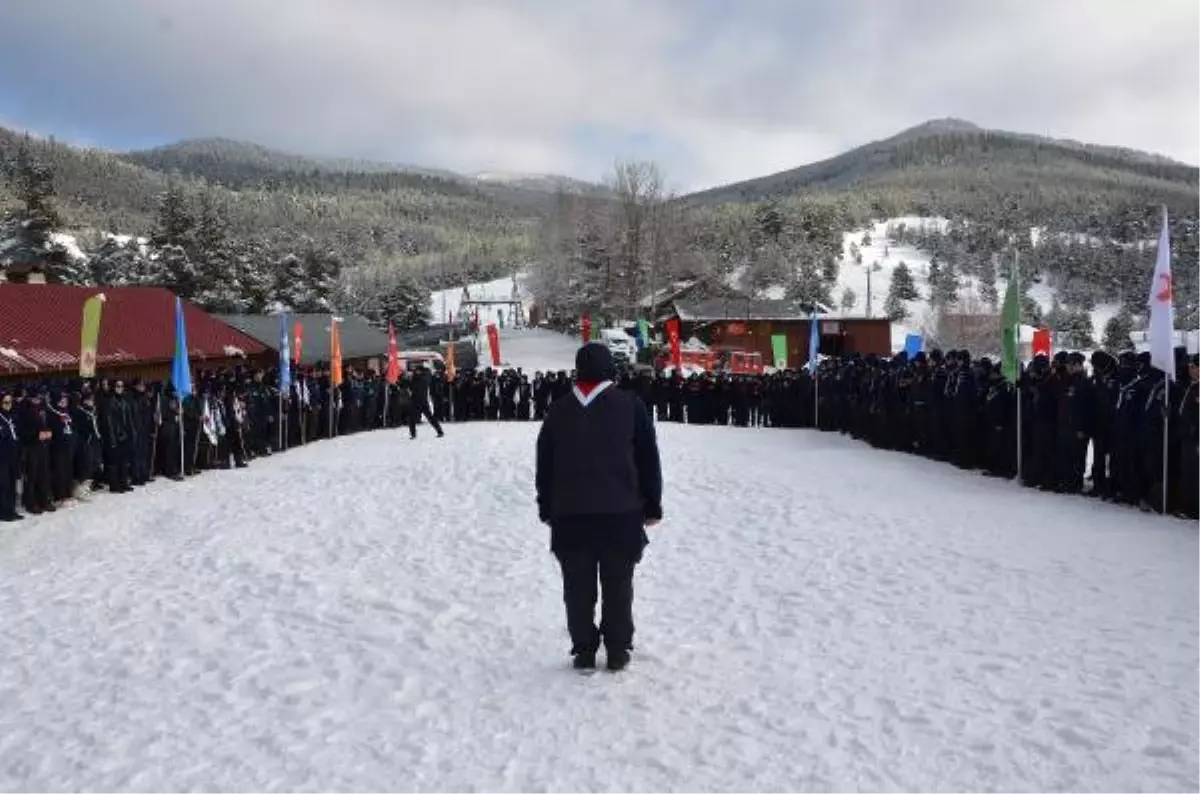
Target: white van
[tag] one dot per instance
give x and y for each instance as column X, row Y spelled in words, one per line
column 620, row 343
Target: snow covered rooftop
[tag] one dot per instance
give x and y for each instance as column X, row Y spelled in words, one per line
column 721, row 309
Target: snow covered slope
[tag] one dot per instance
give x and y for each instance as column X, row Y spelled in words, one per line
column 379, row 614
column 889, row 255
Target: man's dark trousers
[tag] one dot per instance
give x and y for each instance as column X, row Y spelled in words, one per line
column 604, row 549
column 417, row 410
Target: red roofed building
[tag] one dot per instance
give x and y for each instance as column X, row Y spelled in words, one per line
column 40, row 327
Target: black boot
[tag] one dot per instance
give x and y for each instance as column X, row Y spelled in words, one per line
column 617, row 660
column 585, row 660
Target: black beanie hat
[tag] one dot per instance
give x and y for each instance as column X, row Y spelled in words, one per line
column 594, row 363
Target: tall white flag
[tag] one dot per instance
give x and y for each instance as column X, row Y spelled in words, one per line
column 1162, row 312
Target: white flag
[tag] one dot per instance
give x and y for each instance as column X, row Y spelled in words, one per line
column 1162, row 312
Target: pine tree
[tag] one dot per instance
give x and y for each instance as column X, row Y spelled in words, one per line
column 903, row 284
column 321, row 271
column 175, row 224
column 807, row 290
column 830, row 267
column 405, row 303
column 36, row 220
column 176, row 271
column 292, row 289
column 218, row 288
column 1117, row 332
column 118, row 263
column 849, row 299
column 895, row 307
column 256, row 282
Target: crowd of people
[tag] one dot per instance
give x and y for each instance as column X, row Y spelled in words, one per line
column 62, row 442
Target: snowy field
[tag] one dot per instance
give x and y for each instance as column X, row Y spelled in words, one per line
column 378, row 614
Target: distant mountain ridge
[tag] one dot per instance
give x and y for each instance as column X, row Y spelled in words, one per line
column 952, row 150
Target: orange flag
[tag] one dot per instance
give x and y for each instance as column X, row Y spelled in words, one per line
column 393, row 365
column 451, row 369
column 335, row 365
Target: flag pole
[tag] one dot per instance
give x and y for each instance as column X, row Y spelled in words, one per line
column 1166, row 438
column 182, row 438
column 280, row 419
column 386, row 388
column 1020, row 373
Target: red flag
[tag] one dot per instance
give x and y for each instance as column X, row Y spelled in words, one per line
column 1041, row 342
column 585, row 325
column 298, row 333
column 494, row 342
column 673, row 338
column 393, row 365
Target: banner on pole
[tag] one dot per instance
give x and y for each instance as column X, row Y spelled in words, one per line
column 285, row 357
column 335, row 363
column 89, row 336
column 451, row 367
column 1041, row 342
column 298, row 334
column 393, row 364
column 493, row 337
column 779, row 350
column 585, row 328
column 673, row 339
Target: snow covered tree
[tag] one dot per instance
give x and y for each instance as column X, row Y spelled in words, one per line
column 177, row 272
column 256, row 282
column 1117, row 332
column 807, row 290
column 292, row 288
column 36, row 220
column 830, row 267
column 118, row 262
column 217, row 287
column 866, row 239
column 405, row 302
column 894, row 306
column 849, row 299
column 321, row 270
column 903, row 284
column 175, row 224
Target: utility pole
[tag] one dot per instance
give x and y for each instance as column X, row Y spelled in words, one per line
column 869, row 267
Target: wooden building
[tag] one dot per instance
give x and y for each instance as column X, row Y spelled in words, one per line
column 40, row 328
column 749, row 325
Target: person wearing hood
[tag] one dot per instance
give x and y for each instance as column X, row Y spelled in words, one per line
column 33, row 428
column 599, row 484
column 10, row 459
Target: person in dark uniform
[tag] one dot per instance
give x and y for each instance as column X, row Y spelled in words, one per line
column 420, row 404
column 10, row 459
column 599, row 483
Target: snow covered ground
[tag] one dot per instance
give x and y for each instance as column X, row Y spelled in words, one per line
column 378, row 614
column 535, row 349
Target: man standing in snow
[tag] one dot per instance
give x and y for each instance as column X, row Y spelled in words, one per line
column 599, row 483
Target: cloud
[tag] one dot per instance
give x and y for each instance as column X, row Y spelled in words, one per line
column 714, row 91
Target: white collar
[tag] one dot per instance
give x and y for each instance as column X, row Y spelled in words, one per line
column 586, row 399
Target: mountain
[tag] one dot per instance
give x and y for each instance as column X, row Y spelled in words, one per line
column 547, row 183
column 953, row 167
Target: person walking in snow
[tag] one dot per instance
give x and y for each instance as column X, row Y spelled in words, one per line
column 420, row 404
column 599, row 484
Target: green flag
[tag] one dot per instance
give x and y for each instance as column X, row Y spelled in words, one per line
column 1010, row 318
column 89, row 336
column 780, row 351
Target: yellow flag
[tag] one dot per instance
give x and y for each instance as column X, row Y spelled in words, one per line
column 89, row 336
column 335, row 366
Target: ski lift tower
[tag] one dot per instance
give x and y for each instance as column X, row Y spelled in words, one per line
column 470, row 304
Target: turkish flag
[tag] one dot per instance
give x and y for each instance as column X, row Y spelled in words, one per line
column 494, row 342
column 585, row 325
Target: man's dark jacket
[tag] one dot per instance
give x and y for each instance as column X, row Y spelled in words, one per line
column 599, row 458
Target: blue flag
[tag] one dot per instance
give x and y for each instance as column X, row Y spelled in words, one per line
column 181, row 373
column 814, row 343
column 285, row 355
column 913, row 343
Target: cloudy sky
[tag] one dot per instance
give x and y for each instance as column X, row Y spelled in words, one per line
column 714, row 91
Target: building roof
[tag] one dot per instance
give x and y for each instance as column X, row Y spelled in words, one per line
column 40, row 328
column 742, row 309
column 360, row 339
